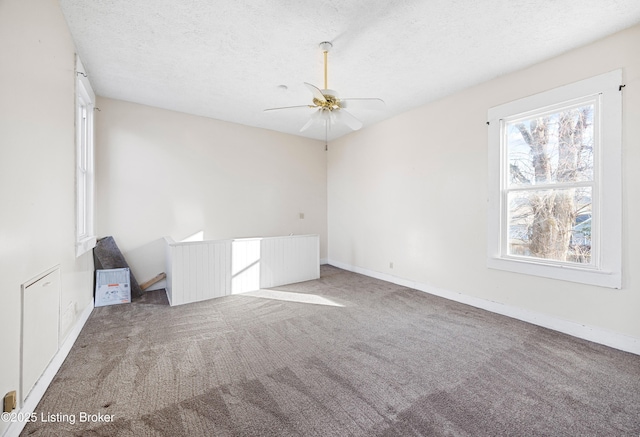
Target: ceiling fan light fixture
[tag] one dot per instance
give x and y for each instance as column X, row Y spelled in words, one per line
column 331, row 100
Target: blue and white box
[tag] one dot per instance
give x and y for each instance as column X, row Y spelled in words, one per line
column 113, row 286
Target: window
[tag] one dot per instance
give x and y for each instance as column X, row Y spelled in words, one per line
column 85, row 103
column 555, row 185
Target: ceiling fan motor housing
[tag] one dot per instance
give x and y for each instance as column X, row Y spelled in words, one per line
column 332, row 100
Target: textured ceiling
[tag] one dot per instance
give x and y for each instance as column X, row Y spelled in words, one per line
column 227, row 59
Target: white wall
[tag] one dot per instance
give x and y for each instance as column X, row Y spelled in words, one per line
column 37, row 167
column 413, row 191
column 164, row 173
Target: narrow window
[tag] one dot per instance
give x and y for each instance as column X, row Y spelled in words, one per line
column 85, row 198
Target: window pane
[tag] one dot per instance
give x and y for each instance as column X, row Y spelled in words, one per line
column 82, row 204
column 550, row 148
column 83, row 139
column 551, row 224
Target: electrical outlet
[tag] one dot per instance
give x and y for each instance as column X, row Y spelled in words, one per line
column 390, row 265
column 302, row 215
column 10, row 401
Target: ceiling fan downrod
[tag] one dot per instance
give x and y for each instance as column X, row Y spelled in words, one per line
column 325, row 47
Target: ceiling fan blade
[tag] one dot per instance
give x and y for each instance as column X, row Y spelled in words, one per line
column 307, row 125
column 348, row 119
column 317, row 94
column 363, row 103
column 332, row 119
column 315, row 118
column 288, row 107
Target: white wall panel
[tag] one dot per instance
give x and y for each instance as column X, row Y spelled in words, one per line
column 40, row 322
column 168, row 262
column 285, row 260
column 203, row 270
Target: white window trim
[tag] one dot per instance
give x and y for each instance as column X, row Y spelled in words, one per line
column 606, row 272
column 85, row 241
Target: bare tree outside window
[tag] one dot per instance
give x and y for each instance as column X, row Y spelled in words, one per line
column 551, row 184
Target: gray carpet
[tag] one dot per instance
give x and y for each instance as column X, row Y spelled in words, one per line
column 364, row 358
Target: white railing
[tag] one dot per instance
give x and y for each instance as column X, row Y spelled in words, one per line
column 201, row 270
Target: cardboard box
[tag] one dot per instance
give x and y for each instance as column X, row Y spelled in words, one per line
column 113, row 286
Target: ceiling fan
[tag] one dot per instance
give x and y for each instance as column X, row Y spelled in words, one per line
column 330, row 108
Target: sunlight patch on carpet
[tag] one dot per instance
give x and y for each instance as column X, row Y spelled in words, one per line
column 292, row 297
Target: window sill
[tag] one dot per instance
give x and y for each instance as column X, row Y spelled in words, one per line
column 85, row 245
column 583, row 275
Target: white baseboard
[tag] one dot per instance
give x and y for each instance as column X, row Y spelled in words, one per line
column 31, row 402
column 597, row 335
column 324, row 261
